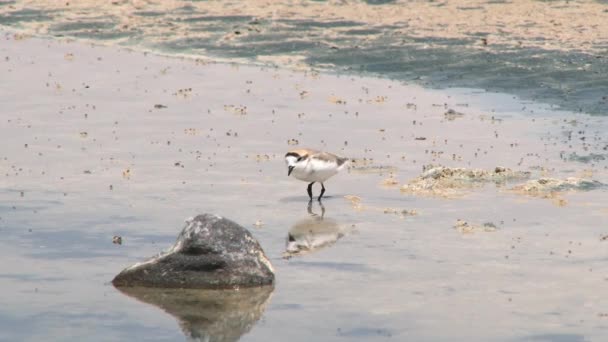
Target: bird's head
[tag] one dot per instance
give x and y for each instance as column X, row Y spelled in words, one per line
column 293, row 160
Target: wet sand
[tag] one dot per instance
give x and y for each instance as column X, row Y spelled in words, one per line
column 101, row 142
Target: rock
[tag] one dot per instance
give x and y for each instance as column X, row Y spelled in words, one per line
column 211, row 252
column 447, row 181
column 208, row 315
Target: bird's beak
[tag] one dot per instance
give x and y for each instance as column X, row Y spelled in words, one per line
column 289, row 170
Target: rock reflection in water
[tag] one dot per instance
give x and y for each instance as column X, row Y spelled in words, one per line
column 312, row 233
column 208, row 315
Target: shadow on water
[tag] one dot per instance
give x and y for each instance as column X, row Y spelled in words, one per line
column 312, row 233
column 208, row 315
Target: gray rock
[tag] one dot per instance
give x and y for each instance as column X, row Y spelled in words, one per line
column 208, row 315
column 211, row 252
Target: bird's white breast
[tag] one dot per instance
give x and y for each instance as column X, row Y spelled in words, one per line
column 315, row 170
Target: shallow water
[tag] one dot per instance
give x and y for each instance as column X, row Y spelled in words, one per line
column 88, row 156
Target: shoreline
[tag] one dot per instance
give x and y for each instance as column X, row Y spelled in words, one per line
column 553, row 57
column 511, row 99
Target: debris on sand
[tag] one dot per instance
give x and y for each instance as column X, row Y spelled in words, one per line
column 367, row 165
column 447, row 182
column 550, row 187
column 355, row 201
column 401, row 212
column 126, row 174
column 336, row 100
column 238, row 110
column 464, row 227
column 183, row 93
column 390, row 181
column 452, row 115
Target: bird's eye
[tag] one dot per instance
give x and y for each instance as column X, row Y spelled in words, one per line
column 299, row 159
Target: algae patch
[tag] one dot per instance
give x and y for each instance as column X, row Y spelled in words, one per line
column 548, row 187
column 450, row 182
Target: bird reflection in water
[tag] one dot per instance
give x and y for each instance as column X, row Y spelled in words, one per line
column 208, row 315
column 312, row 233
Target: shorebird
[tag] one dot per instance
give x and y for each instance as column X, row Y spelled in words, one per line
column 313, row 166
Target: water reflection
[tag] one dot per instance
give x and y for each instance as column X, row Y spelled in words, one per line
column 312, row 233
column 208, row 315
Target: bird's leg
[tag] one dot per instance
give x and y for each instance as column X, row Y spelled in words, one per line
column 322, row 191
column 310, row 190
